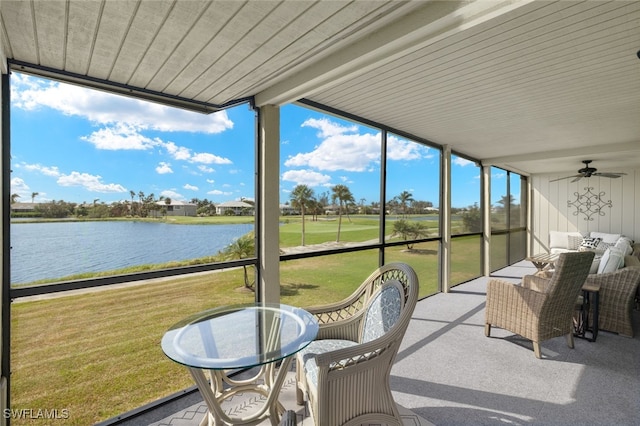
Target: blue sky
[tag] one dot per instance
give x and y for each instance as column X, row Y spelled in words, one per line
column 79, row 145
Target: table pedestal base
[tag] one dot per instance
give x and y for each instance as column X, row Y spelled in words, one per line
column 267, row 383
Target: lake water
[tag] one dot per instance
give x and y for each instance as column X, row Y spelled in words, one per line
column 58, row 249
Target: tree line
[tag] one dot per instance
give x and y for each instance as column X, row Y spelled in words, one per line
column 304, row 200
column 141, row 205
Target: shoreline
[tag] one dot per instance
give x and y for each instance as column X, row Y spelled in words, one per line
column 286, row 250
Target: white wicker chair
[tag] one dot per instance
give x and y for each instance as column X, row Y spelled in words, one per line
column 346, row 379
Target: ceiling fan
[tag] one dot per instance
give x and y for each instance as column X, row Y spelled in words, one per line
column 587, row 172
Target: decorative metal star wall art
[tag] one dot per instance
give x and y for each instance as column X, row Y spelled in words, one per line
column 589, row 204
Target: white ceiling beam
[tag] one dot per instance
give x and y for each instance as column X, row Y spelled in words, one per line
column 580, row 152
column 432, row 22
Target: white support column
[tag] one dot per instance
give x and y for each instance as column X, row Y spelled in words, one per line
column 269, row 204
column 486, row 219
column 527, row 189
column 445, row 217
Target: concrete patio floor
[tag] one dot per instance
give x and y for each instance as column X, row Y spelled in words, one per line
column 448, row 373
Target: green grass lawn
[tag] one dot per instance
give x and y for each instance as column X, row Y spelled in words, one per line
column 98, row 354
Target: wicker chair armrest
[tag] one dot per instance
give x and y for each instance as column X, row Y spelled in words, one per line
column 536, row 282
column 341, row 359
column 616, row 285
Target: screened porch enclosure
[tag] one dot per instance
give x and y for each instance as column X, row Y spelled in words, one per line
column 344, row 134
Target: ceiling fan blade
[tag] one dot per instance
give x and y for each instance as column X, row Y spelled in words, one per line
column 577, row 178
column 566, row 177
column 613, row 175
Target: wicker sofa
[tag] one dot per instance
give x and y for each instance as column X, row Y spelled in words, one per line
column 619, row 285
column 618, row 291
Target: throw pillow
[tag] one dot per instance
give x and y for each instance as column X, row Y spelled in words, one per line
column 611, row 261
column 625, row 244
column 574, row 242
column 602, row 246
column 607, row 238
column 590, row 243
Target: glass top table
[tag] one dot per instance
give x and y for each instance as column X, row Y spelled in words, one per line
column 229, row 338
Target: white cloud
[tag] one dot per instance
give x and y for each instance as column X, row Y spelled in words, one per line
column 89, row 182
column 400, row 149
column 462, row 162
column 120, row 137
column 190, row 187
column 184, row 153
column 20, row 187
column 342, row 148
column 218, row 192
column 164, row 168
column 328, row 128
column 45, row 170
column 306, row 177
column 211, row 181
column 341, row 152
column 177, row 152
column 30, row 93
column 172, row 194
column 207, row 158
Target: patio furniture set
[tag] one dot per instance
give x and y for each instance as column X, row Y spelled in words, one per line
column 344, row 349
column 584, row 283
column 339, row 349
column 615, row 270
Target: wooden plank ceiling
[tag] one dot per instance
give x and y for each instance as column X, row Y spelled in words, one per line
column 533, row 86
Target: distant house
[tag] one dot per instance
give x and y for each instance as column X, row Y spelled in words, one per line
column 287, row 209
column 23, row 207
column 177, row 208
column 239, row 208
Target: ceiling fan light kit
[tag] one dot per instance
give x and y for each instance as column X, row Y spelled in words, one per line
column 588, row 171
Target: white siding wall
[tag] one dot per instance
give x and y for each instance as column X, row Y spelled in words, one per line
column 551, row 211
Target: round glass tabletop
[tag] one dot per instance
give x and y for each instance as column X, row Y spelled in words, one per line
column 239, row 336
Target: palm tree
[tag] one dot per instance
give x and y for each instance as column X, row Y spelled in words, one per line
column 344, row 196
column 404, row 198
column 363, row 209
column 33, row 196
column 133, row 194
column 242, row 248
column 301, row 197
column 506, row 200
column 140, row 202
column 14, row 198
